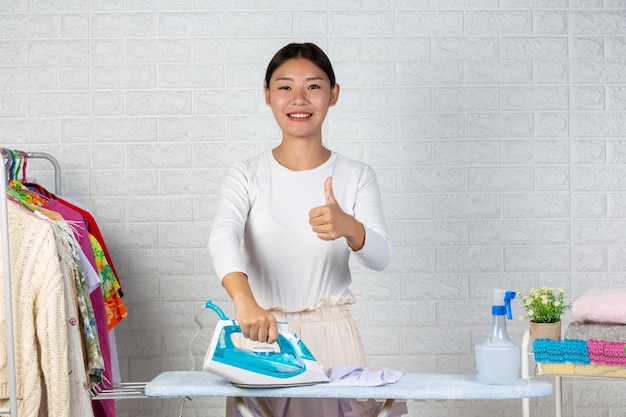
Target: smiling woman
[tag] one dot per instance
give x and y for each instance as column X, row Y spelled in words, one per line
column 288, row 222
column 300, row 91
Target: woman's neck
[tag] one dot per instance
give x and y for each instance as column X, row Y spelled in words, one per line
column 300, row 157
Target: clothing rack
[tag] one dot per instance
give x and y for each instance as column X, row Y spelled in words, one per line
column 131, row 390
column 6, row 263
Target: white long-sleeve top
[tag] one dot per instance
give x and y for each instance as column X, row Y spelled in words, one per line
column 261, row 228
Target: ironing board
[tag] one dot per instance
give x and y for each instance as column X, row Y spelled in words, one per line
column 410, row 387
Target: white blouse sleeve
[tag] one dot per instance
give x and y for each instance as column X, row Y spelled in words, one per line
column 377, row 250
column 229, row 222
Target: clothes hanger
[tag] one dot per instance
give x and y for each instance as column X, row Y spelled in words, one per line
column 16, row 160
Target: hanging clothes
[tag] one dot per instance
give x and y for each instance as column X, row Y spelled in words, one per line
column 89, row 307
column 91, row 288
column 67, row 247
column 90, row 222
column 39, row 319
column 102, row 408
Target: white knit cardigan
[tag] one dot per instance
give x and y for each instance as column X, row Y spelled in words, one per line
column 39, row 318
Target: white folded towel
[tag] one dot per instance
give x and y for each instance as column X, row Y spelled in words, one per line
column 359, row 376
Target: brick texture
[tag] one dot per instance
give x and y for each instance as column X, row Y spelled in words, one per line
column 496, row 129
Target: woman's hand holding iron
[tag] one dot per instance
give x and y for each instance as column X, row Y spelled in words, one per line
column 256, row 324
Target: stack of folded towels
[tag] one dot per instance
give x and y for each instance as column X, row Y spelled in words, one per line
column 596, row 336
column 600, row 318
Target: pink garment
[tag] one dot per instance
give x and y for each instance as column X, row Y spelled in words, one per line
column 601, row 306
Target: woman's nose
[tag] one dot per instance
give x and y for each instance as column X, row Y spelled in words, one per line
column 300, row 96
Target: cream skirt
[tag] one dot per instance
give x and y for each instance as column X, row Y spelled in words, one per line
column 331, row 335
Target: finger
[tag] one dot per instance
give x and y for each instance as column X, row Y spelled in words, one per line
column 273, row 333
column 328, row 190
column 317, row 220
column 245, row 331
column 262, row 334
column 266, row 329
column 315, row 212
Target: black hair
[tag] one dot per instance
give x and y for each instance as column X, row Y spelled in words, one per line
column 308, row 51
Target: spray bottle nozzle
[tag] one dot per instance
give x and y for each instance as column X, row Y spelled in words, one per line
column 502, row 303
column 508, row 296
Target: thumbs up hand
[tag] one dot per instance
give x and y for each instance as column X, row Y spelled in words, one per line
column 330, row 222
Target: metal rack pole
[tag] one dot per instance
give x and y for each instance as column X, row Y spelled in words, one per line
column 6, row 263
column 55, row 164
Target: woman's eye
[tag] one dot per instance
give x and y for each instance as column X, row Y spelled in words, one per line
column 314, row 87
column 284, row 87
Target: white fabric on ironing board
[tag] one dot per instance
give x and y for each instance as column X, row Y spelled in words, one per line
column 333, row 338
column 360, row 376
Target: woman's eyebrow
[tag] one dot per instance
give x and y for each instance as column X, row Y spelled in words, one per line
column 287, row 78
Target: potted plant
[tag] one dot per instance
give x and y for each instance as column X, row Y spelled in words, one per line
column 544, row 308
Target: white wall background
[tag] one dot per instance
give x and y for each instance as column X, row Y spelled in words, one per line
column 497, row 129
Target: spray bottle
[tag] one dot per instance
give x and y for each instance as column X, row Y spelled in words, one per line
column 498, row 358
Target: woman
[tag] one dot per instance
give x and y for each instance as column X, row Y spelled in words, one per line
column 288, row 221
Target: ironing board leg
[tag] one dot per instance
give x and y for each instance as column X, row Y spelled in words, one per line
column 261, row 407
column 245, row 411
column 558, row 398
column 385, row 408
column 525, row 373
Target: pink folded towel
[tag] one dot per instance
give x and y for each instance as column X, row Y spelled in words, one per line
column 601, row 306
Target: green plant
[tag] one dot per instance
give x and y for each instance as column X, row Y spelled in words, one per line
column 543, row 305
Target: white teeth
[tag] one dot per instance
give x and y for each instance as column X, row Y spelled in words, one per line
column 300, row 115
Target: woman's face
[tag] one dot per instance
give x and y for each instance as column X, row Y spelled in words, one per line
column 300, row 94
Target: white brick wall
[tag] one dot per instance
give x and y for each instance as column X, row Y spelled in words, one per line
column 496, row 129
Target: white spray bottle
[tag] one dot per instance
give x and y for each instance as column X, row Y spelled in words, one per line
column 498, row 358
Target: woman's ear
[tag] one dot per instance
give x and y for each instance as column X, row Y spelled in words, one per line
column 334, row 95
column 267, row 96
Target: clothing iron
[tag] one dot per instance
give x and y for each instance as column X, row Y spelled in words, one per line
column 291, row 365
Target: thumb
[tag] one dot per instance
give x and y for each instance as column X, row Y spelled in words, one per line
column 328, row 190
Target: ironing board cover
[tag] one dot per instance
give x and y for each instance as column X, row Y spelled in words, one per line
column 409, row 387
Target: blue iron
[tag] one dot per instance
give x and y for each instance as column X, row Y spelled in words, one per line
column 291, row 365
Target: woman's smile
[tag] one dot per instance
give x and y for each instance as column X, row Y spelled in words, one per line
column 301, row 116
